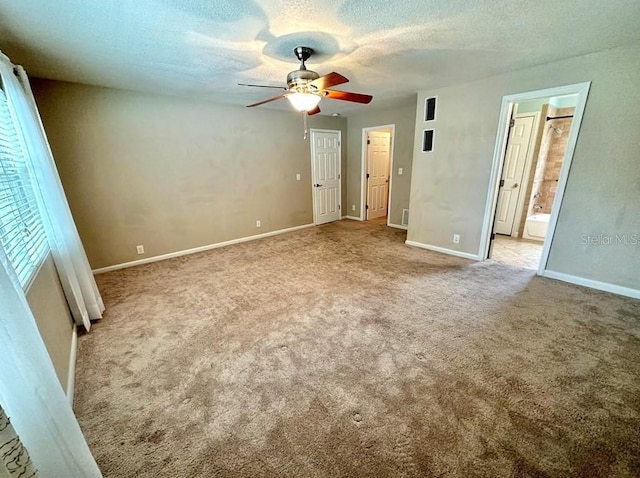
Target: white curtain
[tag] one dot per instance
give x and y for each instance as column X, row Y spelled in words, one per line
column 30, row 393
column 15, row 461
column 68, row 253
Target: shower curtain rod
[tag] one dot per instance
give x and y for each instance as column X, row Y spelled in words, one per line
column 558, row 117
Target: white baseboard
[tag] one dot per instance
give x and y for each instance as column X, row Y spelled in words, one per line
column 451, row 252
column 198, row 249
column 593, row 284
column 71, row 373
column 353, row 218
column 398, row 226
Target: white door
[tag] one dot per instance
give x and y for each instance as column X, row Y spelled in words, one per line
column 512, row 173
column 325, row 156
column 378, row 156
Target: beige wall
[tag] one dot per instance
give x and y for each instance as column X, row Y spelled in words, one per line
column 403, row 116
column 49, row 306
column 174, row 173
column 450, row 186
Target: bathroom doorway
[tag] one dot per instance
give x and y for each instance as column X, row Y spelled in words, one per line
column 536, row 148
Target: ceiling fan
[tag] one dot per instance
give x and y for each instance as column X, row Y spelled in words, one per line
column 305, row 88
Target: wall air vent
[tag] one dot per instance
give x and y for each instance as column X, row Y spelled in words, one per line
column 430, row 109
column 427, row 140
column 405, row 217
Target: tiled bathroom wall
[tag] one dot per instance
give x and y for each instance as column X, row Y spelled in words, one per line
column 555, row 137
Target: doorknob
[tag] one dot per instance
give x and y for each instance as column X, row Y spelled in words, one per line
column 317, row 185
column 515, row 185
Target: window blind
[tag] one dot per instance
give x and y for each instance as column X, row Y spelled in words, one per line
column 22, row 235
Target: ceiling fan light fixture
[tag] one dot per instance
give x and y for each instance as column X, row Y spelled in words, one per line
column 303, row 101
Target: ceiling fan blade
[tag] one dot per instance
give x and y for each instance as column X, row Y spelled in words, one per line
column 328, row 80
column 314, row 111
column 263, row 86
column 347, row 96
column 266, row 101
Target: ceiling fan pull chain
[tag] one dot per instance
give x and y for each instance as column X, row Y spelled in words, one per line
column 304, row 122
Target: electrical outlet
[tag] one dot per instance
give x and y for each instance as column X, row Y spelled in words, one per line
column 298, row 177
column 456, row 238
column 258, row 223
column 140, row 249
column 400, row 171
column 353, row 207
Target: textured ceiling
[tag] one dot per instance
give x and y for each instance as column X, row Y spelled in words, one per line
column 389, row 49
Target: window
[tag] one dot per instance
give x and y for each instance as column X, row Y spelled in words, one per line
column 22, row 235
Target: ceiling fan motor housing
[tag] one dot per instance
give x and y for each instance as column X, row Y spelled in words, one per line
column 298, row 79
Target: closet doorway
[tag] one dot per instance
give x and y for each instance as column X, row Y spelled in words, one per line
column 377, row 164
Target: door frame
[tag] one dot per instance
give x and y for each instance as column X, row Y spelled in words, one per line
column 312, row 132
column 363, row 170
column 506, row 110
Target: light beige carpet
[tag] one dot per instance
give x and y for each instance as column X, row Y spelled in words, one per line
column 338, row 351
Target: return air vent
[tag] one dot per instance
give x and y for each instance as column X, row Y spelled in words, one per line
column 430, row 109
column 427, row 140
column 405, row 217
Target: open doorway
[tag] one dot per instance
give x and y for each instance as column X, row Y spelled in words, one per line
column 536, row 140
column 377, row 164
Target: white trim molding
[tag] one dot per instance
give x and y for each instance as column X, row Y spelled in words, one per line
column 593, row 284
column 195, row 250
column 71, row 373
column 443, row 250
column 353, row 218
column 398, row 226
